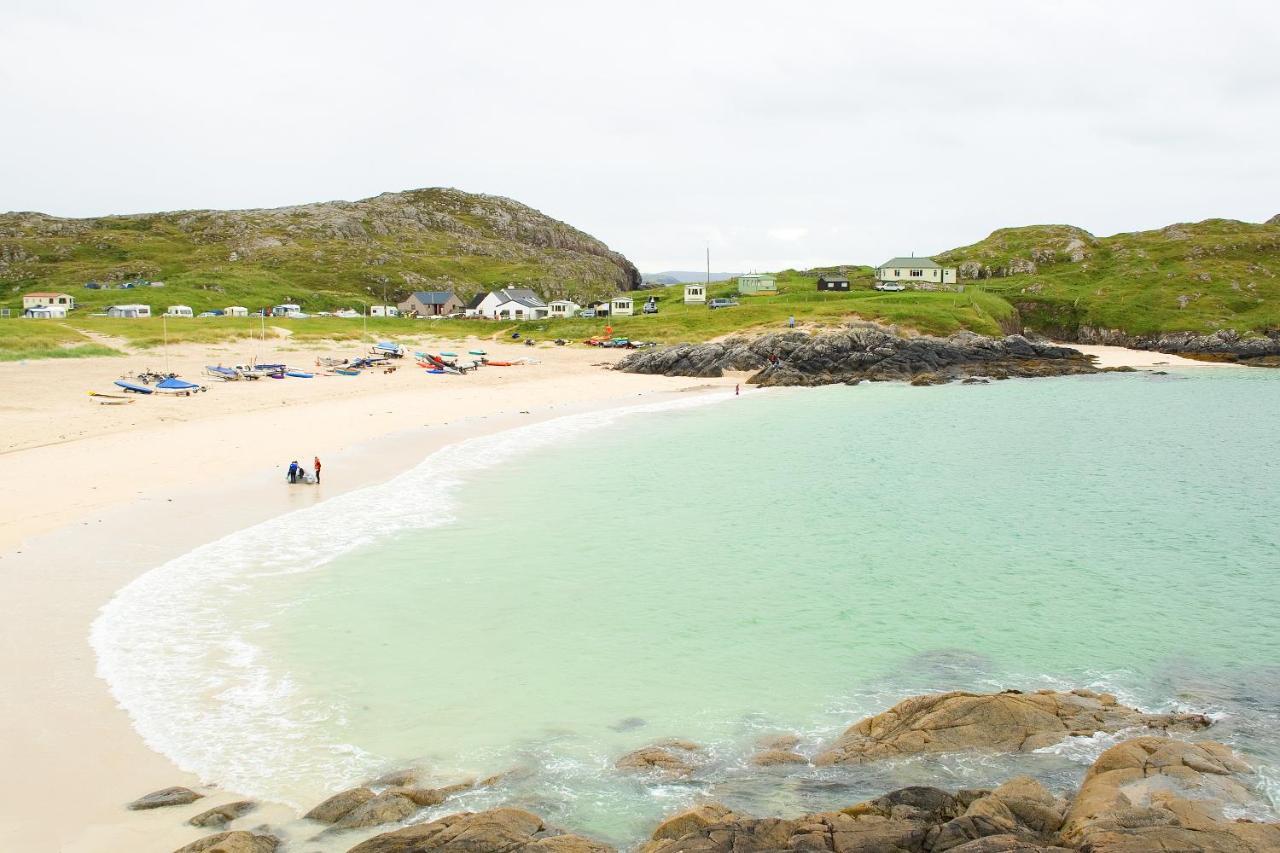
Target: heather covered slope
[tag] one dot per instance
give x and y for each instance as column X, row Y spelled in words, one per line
column 325, row 255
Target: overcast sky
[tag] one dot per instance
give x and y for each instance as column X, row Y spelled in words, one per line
column 785, row 134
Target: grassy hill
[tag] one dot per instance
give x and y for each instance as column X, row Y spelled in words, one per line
column 1197, row 277
column 325, row 256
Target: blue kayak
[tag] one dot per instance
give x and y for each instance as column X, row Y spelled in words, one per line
column 298, row 374
column 134, row 387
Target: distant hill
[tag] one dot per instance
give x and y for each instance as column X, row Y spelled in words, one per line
column 1197, row 277
column 684, row 276
column 325, row 255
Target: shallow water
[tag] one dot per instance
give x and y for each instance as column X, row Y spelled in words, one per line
column 782, row 562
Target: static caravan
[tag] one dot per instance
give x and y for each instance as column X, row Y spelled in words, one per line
column 236, row 311
column 129, row 311
column 695, row 294
column 757, row 284
column 561, row 308
column 65, row 301
column 384, row 311
column 288, row 309
column 179, row 311
column 622, row 306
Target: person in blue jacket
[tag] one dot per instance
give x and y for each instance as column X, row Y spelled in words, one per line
column 294, row 469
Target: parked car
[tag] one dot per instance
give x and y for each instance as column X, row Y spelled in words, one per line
column 649, row 308
column 209, row 314
column 890, row 286
column 722, row 303
column 587, row 315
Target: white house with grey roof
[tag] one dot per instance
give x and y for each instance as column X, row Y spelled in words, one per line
column 915, row 271
column 513, row 303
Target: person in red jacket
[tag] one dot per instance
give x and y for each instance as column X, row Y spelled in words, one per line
column 317, row 466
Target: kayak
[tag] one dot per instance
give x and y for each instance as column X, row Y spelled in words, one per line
column 298, row 374
column 449, row 354
column 436, row 370
column 134, row 387
column 500, row 363
column 343, row 372
column 476, row 352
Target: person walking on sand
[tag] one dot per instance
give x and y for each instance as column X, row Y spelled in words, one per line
column 317, row 469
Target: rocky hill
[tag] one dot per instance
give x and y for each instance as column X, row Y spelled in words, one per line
column 325, row 255
column 1198, row 278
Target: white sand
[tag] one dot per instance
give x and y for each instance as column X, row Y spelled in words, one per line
column 92, row 496
column 1107, row 356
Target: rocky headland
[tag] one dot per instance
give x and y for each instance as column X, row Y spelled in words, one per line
column 1154, row 790
column 863, row 351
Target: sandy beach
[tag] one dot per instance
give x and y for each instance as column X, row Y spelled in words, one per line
column 92, row 496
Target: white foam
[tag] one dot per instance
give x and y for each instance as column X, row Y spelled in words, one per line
column 203, row 695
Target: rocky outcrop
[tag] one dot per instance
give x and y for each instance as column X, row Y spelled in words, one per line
column 339, row 805
column 1224, row 344
column 1011, row 721
column 858, row 352
column 220, row 816
column 233, row 842
column 1157, row 794
column 497, row 831
column 166, row 797
column 670, row 757
column 387, row 807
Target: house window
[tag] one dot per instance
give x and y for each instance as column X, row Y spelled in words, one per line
column 917, row 273
column 897, row 273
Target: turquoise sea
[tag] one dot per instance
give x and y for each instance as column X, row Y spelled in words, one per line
column 719, row 569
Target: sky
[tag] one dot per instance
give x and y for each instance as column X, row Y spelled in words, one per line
column 779, row 135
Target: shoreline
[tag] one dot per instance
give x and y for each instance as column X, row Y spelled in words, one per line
column 65, row 724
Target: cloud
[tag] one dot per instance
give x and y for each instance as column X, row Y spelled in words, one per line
column 870, row 130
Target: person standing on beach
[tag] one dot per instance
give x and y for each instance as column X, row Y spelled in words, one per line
column 317, row 469
column 293, row 471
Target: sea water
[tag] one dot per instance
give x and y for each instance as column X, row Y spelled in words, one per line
column 724, row 568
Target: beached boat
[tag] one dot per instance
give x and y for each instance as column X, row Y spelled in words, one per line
column 346, row 371
column 133, row 387
column 499, row 363
column 223, row 374
column 299, row 374
column 476, row 352
column 388, row 349
column 180, row 387
column 110, row 399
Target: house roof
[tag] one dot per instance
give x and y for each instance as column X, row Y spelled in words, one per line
column 43, row 293
column 522, row 295
column 475, row 301
column 433, row 297
column 623, row 297
column 563, row 302
column 130, row 305
column 843, row 278
column 913, row 263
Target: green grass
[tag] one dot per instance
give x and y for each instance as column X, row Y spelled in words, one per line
column 21, row 340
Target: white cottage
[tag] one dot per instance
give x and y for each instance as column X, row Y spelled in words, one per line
column 695, row 294
column 622, row 306
column 914, row 270
column 512, row 303
column 129, row 311
column 563, row 308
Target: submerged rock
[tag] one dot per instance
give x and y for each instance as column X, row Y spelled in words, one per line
column 233, row 842
column 219, row 816
column 1152, row 793
column 861, row 351
column 503, row 830
column 1011, row 721
column 396, row 779
column 773, row 757
column 176, row 796
column 387, row 807
column 673, row 757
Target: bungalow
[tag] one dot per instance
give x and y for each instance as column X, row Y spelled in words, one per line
column 513, row 303
column 757, row 284
column 472, row 308
column 236, row 311
column 129, row 311
column 912, row 270
column 45, row 312
column 833, row 282
column 431, row 303
column 622, row 306
column 562, row 308
column 39, row 300
column 695, row 294
column 179, row 311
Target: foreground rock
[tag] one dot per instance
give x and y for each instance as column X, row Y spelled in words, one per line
column 220, row 816
column 1002, row 722
column 163, row 798
column 862, row 351
column 1165, row 795
column 339, row 805
column 1020, row 815
column 361, row 807
column 496, row 831
column 233, row 842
